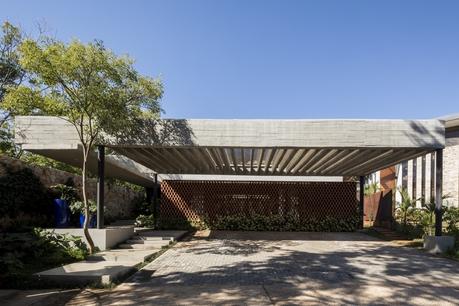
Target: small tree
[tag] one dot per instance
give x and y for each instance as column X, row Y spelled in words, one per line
column 87, row 85
column 406, row 206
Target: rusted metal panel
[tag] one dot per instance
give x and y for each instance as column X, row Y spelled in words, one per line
column 198, row 200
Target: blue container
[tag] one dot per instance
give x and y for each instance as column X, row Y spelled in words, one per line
column 92, row 222
column 61, row 213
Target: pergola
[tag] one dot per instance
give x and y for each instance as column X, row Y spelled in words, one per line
column 351, row 148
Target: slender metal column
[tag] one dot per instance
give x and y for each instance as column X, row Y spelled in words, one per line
column 414, row 180
column 361, row 200
column 438, row 191
column 423, row 180
column 155, row 200
column 100, row 185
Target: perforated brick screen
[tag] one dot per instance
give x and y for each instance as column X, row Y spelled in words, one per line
column 193, row 200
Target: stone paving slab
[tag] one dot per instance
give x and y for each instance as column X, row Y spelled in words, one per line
column 251, row 268
column 87, row 272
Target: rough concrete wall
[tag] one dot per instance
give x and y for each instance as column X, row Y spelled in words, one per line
column 118, row 199
column 451, row 173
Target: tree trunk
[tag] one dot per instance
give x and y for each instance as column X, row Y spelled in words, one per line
column 87, row 214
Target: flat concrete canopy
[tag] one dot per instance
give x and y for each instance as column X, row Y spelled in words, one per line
column 249, row 147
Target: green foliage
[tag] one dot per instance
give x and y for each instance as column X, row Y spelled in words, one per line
column 23, row 254
column 77, row 207
column 86, row 84
column 11, row 75
column 406, row 207
column 98, row 92
column 22, row 194
column 182, row 224
column 257, row 222
column 418, row 222
column 42, row 161
column 67, row 193
column 451, row 217
column 141, row 206
column 145, row 221
column 371, row 189
column 10, row 71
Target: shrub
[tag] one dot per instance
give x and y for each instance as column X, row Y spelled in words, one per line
column 22, row 254
column 451, row 217
column 145, row 221
column 77, row 207
column 274, row 222
column 22, row 192
column 141, row 206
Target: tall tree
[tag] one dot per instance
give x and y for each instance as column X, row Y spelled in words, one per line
column 11, row 75
column 89, row 86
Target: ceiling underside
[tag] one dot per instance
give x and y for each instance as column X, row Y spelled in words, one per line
column 268, row 160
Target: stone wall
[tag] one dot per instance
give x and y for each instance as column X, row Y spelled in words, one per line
column 451, row 173
column 119, row 200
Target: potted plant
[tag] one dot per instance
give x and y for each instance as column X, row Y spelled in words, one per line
column 67, row 194
column 77, row 207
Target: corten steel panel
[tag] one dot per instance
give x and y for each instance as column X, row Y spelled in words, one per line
column 378, row 208
column 194, row 200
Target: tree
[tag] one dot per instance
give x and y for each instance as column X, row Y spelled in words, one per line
column 11, row 75
column 406, row 206
column 96, row 91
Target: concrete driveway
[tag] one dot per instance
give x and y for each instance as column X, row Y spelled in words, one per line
column 265, row 268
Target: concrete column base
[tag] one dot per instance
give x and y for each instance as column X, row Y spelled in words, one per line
column 438, row 244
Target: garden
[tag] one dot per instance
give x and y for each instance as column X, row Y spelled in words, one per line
column 417, row 222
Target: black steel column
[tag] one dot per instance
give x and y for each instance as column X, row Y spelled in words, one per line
column 414, row 180
column 155, row 200
column 432, row 175
column 100, row 185
column 423, row 180
column 361, row 201
column 438, row 191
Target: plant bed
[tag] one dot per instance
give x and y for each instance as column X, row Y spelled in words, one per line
column 23, row 254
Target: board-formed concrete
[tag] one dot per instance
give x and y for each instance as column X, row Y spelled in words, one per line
column 243, row 147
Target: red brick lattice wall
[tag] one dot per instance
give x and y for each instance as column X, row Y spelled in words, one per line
column 193, row 200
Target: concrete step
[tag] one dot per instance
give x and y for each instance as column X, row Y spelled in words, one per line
column 140, row 246
column 149, row 242
column 117, row 255
column 111, row 265
column 87, row 272
column 176, row 235
column 146, row 238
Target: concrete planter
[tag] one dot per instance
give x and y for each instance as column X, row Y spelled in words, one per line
column 438, row 244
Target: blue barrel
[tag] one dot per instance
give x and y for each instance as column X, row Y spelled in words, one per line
column 92, row 221
column 61, row 213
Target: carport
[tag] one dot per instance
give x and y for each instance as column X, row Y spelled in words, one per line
column 287, row 148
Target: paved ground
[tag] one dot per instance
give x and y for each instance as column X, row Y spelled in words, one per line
column 287, row 268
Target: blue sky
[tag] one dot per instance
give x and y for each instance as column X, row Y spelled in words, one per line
column 275, row 59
